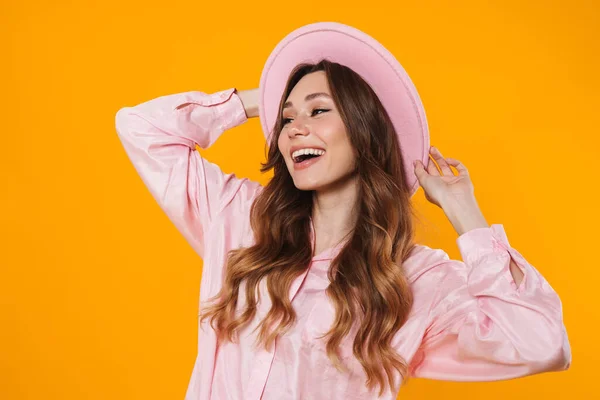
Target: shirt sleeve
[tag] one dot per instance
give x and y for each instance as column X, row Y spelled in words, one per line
column 481, row 326
column 160, row 138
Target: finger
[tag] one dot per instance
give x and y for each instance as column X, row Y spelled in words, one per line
column 432, row 168
column 439, row 159
column 420, row 170
column 462, row 170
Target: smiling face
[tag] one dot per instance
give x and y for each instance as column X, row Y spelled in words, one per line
column 313, row 140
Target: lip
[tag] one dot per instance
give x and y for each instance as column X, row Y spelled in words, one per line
column 294, row 148
column 307, row 163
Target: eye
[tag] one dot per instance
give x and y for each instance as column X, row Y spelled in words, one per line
column 319, row 109
column 316, row 111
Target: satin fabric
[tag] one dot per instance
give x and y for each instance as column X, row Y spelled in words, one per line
column 469, row 321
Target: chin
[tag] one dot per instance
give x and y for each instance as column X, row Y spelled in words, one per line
column 307, row 186
column 316, row 184
column 320, row 183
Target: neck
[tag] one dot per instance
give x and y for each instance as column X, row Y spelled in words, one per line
column 334, row 213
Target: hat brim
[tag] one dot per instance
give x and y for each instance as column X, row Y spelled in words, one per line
column 374, row 63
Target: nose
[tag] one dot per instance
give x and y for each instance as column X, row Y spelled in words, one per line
column 297, row 127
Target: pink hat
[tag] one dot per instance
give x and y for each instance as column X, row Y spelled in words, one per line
column 355, row 49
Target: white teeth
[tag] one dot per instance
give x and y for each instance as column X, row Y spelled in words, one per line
column 308, row 151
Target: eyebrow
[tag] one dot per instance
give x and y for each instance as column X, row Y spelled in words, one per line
column 307, row 98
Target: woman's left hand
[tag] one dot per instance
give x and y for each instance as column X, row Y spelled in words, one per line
column 446, row 187
column 453, row 193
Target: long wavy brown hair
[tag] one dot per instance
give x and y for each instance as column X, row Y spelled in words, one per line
column 368, row 283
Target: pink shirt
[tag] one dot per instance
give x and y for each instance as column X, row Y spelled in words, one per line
column 469, row 321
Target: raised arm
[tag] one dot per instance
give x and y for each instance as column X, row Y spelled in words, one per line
column 160, row 138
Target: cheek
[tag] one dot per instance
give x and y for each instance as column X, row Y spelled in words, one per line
column 345, row 152
column 333, row 127
column 345, row 158
column 336, row 138
column 283, row 145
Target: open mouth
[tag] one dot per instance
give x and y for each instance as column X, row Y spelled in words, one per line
column 300, row 156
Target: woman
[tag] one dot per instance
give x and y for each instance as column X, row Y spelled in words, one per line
column 312, row 286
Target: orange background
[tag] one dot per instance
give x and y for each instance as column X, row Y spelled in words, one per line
column 99, row 292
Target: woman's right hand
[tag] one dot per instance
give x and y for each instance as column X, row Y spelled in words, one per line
column 249, row 99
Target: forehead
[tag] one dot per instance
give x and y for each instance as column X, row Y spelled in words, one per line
column 311, row 83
